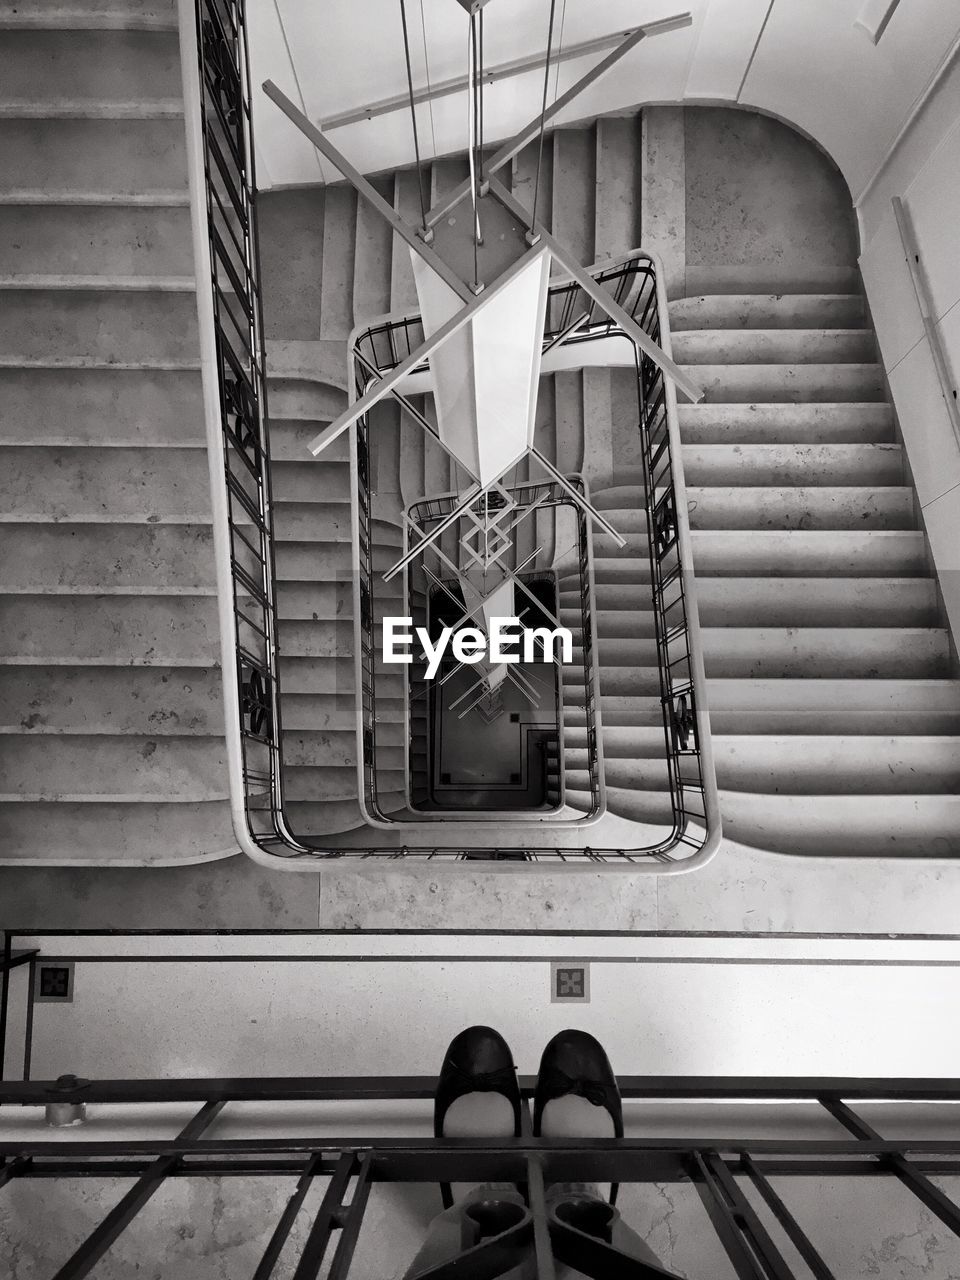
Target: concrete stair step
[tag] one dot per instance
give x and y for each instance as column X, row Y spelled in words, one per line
column 616, row 681
column 620, row 742
column 523, row 177
column 322, row 823
column 780, row 346
column 107, row 407
column 870, row 553
column 89, row 66
column 320, row 676
column 807, row 765
column 316, row 639
column 406, row 201
column 102, row 767
column 306, row 601
column 618, row 711
column 305, row 400
column 617, row 216
column 314, row 480
column 623, row 775
column 109, row 631
column 568, row 392
column 832, row 652
column 706, row 465
column 788, row 383
column 323, row 562
column 411, row 465
column 79, row 15
column 627, row 802
column 316, row 711
column 436, row 468
column 290, row 443
column 835, row 507
column 372, row 257
column 101, row 326
column 312, row 522
column 339, row 260
column 335, row 749
column 315, row 785
column 614, row 571
column 447, row 173
column 890, row 705
column 574, row 199
column 107, row 559
column 148, row 702
column 615, row 651
column 96, row 240
column 148, row 833
column 830, row 825
column 623, row 623
column 117, row 157
column 767, row 311
column 334, row 676
column 814, row 423
column 877, row 602
column 142, row 485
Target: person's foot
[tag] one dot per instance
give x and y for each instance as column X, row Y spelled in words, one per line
column 577, row 1094
column 478, row 1094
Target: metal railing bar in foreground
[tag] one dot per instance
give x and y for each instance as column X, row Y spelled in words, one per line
column 716, row 1166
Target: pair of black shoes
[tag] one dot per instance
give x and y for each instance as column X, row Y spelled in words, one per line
column 479, row 1060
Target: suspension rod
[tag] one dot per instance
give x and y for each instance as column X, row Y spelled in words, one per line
column 527, row 134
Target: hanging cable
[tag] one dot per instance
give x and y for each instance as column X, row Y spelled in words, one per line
column 413, row 115
column 426, row 67
column 480, row 100
column 563, row 23
column 471, row 150
column 543, row 110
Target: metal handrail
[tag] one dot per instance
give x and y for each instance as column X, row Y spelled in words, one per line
column 428, row 510
column 636, row 282
column 217, row 95
column 731, row 1171
column 927, row 315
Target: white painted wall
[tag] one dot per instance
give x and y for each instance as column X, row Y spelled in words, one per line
column 806, row 61
column 924, row 170
column 336, row 1004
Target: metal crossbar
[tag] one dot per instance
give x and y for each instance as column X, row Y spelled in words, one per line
column 731, row 1173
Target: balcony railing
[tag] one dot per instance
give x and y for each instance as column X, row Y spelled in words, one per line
column 738, row 1176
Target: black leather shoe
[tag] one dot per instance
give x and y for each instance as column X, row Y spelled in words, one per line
column 574, row 1062
column 478, row 1061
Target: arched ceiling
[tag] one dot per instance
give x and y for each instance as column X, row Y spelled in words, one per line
column 810, row 62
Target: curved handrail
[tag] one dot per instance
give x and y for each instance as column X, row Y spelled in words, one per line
column 223, row 217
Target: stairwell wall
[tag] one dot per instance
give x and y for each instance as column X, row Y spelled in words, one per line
column 923, row 169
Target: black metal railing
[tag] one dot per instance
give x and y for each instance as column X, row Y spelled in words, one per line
column 576, row 318
column 230, row 179
column 542, row 496
column 738, row 1176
